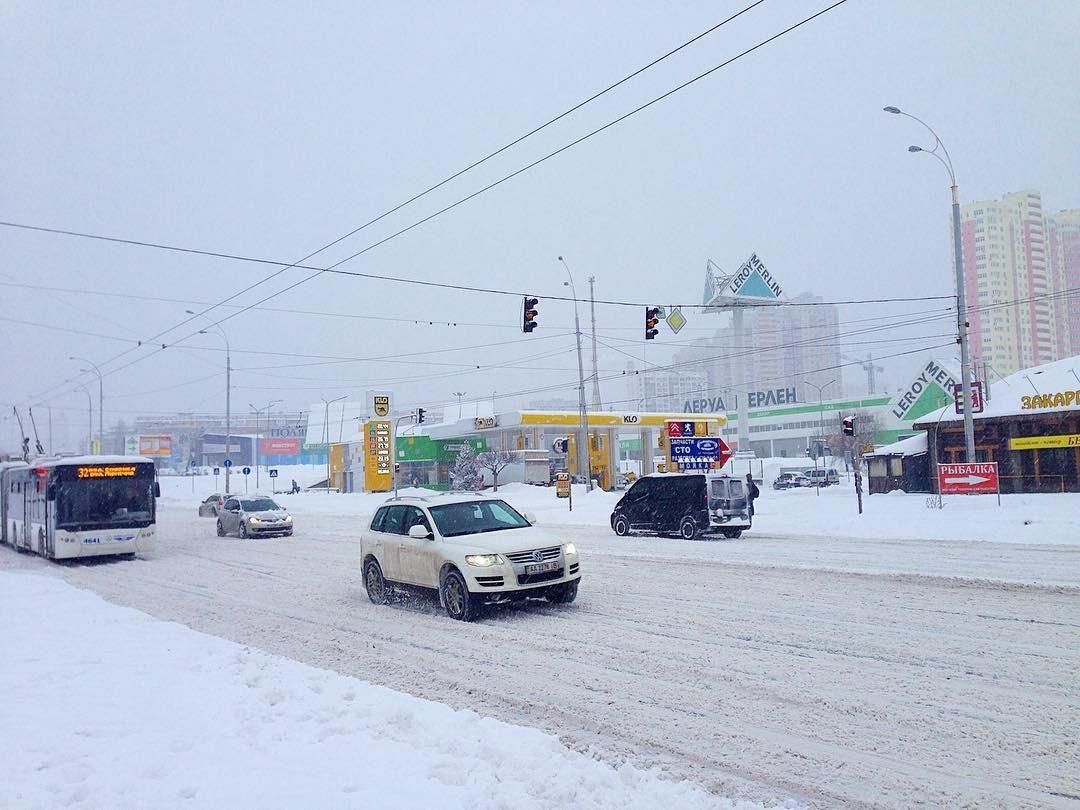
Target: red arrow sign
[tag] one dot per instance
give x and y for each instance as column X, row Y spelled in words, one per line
column 674, row 428
column 977, row 478
column 725, row 453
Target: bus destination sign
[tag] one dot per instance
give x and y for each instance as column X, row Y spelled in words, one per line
column 111, row 471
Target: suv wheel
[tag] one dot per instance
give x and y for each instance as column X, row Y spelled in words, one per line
column 220, row 528
column 621, row 526
column 732, row 534
column 457, row 600
column 374, row 583
column 688, row 528
column 563, row 594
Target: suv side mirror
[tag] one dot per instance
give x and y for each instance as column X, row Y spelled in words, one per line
column 529, row 516
column 419, row 532
column 157, row 490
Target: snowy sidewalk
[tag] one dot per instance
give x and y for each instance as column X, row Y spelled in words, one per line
column 105, row 707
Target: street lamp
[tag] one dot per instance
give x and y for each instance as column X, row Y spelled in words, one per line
column 101, row 401
column 821, row 426
column 961, row 303
column 258, row 438
column 228, row 390
column 584, row 457
column 326, row 433
column 459, row 395
column 89, row 418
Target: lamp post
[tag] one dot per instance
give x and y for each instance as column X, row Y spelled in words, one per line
column 326, row 432
column 89, row 418
column 101, row 402
column 961, row 294
column 228, row 391
column 821, row 426
column 258, row 437
column 584, row 457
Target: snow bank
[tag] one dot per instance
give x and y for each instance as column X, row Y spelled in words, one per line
column 105, row 707
column 1042, row 519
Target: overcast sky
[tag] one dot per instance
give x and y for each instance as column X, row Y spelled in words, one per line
column 269, row 130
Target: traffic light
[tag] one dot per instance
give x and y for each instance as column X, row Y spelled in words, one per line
column 419, row 416
column 528, row 314
column 808, row 452
column 849, row 425
column 651, row 322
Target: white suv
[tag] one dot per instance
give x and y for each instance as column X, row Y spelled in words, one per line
column 473, row 549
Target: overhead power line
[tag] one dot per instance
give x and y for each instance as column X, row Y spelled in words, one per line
column 463, row 200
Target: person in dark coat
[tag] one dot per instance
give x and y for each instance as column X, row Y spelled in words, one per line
column 752, row 493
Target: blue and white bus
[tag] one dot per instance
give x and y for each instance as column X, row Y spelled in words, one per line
column 85, row 506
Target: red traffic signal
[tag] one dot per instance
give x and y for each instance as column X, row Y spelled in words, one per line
column 849, row 425
column 528, row 314
column 651, row 322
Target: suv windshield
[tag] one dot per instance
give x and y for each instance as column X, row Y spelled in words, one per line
column 476, row 517
column 258, row 505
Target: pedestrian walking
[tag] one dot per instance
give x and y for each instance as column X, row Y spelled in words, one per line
column 752, row 493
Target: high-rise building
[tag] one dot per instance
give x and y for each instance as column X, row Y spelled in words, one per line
column 1063, row 241
column 664, row 389
column 795, row 346
column 1011, row 283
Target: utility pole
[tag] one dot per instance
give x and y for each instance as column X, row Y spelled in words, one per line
column 326, row 433
column 595, row 371
column 584, row 456
column 228, row 391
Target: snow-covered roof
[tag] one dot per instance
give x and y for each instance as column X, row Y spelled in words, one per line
column 1049, row 388
column 911, row 446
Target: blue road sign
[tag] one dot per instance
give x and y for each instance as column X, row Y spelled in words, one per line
column 273, row 473
column 246, row 471
column 227, row 462
column 695, row 454
column 217, row 470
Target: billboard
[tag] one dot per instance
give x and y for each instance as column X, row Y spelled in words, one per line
column 751, row 282
column 274, row 446
column 155, row 446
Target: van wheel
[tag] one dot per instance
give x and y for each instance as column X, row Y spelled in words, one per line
column 457, row 600
column 621, row 526
column 688, row 528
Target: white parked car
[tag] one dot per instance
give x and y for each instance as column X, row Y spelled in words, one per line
column 472, row 549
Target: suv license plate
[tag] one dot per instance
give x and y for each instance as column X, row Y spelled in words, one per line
column 542, row 568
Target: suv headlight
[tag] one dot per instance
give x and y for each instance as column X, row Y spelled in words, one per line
column 483, row 560
column 288, row 518
column 569, row 548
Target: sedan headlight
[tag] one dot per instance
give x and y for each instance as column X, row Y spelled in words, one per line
column 483, row 560
column 569, row 548
column 254, row 520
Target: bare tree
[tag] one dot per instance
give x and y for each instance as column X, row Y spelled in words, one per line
column 496, row 461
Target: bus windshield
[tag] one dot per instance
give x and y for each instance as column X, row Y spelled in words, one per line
column 126, row 503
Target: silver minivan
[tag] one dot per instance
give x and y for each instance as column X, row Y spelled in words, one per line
column 823, row 477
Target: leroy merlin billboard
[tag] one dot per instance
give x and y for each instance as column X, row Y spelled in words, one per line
column 930, row 389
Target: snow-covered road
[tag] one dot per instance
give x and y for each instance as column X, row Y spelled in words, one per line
column 855, row 672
